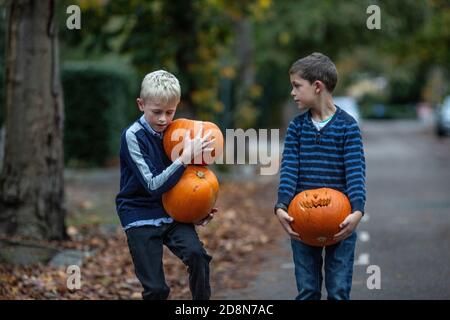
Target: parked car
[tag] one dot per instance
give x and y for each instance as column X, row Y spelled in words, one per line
column 443, row 118
column 350, row 105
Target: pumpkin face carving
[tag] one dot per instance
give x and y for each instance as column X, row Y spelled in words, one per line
column 317, row 214
column 194, row 195
column 174, row 136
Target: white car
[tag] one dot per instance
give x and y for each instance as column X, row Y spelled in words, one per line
column 443, row 117
column 349, row 105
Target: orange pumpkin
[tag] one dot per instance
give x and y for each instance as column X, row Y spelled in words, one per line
column 194, row 195
column 174, row 136
column 317, row 215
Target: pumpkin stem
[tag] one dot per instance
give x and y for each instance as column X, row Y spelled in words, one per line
column 200, row 174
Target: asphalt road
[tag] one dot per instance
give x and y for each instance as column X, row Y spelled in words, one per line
column 408, row 188
column 406, row 233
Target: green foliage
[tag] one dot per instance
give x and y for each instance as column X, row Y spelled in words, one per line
column 183, row 37
column 2, row 93
column 294, row 29
column 200, row 43
column 2, row 64
column 424, row 35
column 99, row 103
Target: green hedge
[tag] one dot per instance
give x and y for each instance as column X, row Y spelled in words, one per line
column 99, row 103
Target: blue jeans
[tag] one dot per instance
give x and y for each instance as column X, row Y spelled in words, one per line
column 308, row 262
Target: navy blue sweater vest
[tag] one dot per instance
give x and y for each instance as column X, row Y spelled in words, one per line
column 145, row 174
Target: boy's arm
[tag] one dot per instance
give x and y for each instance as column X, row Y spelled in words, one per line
column 140, row 164
column 288, row 178
column 355, row 168
column 289, row 167
column 355, row 174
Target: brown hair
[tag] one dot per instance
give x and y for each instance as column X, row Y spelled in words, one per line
column 316, row 66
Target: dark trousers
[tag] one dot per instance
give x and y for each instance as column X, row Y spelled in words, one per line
column 146, row 248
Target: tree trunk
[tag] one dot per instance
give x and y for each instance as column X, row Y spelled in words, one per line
column 31, row 180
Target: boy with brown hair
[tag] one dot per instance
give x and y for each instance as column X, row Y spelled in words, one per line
column 322, row 148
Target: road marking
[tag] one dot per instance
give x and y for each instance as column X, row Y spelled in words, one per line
column 363, row 260
column 364, row 236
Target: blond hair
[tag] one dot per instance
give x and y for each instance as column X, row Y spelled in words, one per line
column 160, row 87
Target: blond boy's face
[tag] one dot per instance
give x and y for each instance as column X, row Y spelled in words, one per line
column 303, row 92
column 159, row 116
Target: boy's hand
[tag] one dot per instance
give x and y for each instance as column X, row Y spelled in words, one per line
column 285, row 220
column 207, row 219
column 196, row 146
column 348, row 225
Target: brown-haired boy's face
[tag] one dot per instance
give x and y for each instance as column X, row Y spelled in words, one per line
column 303, row 92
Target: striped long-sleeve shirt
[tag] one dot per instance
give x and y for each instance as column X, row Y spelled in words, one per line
column 332, row 157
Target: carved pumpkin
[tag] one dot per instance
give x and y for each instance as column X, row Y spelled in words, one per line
column 317, row 215
column 174, row 136
column 194, row 195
